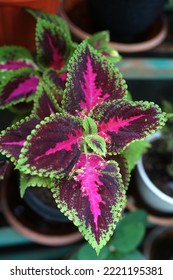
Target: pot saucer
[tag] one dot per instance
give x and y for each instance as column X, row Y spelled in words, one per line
column 29, row 223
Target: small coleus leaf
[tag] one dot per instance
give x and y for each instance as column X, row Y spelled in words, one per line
column 18, row 86
column 96, row 143
column 123, row 166
column 89, row 126
column 55, row 79
column 93, row 197
column 26, row 181
column 122, row 122
column 12, row 139
column 91, row 79
column 52, row 149
column 53, row 46
column 45, row 103
column 58, row 21
column 15, row 57
column 100, row 42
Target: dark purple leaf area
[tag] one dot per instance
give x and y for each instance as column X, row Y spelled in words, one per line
column 54, row 146
column 54, row 50
column 12, row 142
column 121, row 122
column 124, row 170
column 58, row 79
column 19, row 87
column 45, row 107
column 92, row 191
column 91, row 81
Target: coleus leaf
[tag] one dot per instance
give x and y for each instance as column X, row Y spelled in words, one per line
column 100, row 42
column 92, row 197
column 12, row 139
column 45, row 103
column 96, row 143
column 52, row 149
column 58, row 21
column 15, row 57
column 18, row 86
column 53, row 46
column 89, row 126
column 122, row 122
column 123, row 166
column 91, row 79
column 26, row 180
column 55, row 79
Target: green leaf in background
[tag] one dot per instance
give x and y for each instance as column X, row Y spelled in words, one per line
column 134, row 151
column 134, row 255
column 130, row 232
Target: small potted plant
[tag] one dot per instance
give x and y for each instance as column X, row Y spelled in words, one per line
column 155, row 168
column 73, row 141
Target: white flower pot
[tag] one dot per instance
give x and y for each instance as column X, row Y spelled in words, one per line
column 155, row 198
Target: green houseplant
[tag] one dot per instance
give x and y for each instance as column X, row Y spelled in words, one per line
column 155, row 168
column 73, row 140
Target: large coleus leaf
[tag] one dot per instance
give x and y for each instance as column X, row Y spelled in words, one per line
column 122, row 122
column 91, row 79
column 100, row 41
column 53, row 46
column 45, row 103
column 14, row 57
column 18, row 86
column 93, row 197
column 52, row 149
column 12, row 139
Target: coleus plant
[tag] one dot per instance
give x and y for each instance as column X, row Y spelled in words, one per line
column 74, row 145
column 21, row 71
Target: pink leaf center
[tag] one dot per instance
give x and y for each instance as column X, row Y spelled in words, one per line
column 24, row 88
column 90, row 180
column 114, row 125
column 92, row 92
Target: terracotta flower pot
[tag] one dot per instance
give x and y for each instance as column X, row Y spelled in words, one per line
column 29, row 222
column 159, row 244
column 127, row 20
column 77, row 16
column 17, row 26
